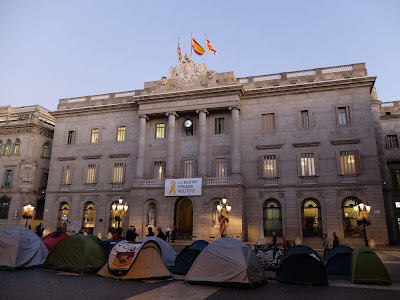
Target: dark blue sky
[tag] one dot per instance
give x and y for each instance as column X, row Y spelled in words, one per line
column 60, row 49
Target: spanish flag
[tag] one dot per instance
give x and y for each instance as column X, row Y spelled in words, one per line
column 179, row 53
column 210, row 47
column 197, row 48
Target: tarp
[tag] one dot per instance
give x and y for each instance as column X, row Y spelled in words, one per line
column 77, row 253
column 301, row 264
column 337, row 260
column 53, row 238
column 21, row 248
column 167, row 252
column 187, row 256
column 227, row 261
column 130, row 260
column 367, row 267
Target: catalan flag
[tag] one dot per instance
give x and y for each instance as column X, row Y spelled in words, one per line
column 197, row 48
column 210, row 47
column 179, row 53
column 222, row 226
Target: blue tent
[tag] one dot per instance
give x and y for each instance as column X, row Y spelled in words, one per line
column 337, row 260
column 187, row 256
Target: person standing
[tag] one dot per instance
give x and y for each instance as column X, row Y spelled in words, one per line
column 118, row 234
column 131, row 234
column 325, row 244
column 174, row 233
column 335, row 240
column 151, row 233
column 167, row 231
column 161, row 234
column 39, row 230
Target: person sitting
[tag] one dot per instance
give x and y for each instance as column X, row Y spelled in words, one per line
column 151, row 233
column 131, row 234
column 161, row 234
column 118, row 234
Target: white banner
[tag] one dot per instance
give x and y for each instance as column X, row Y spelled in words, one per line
column 183, row 187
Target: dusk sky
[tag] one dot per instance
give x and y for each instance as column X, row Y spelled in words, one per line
column 61, row 49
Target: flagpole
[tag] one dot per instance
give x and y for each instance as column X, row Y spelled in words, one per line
column 191, row 48
column 205, row 52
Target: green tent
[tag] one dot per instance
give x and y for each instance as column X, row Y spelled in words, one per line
column 76, row 253
column 367, row 267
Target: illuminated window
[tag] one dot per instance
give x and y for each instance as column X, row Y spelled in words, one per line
column 272, row 217
column 188, row 168
column 159, row 167
column 397, row 204
column 118, row 173
column 94, row 139
column 349, row 162
column 67, row 175
column 221, row 167
column 160, row 130
column 46, row 150
column 351, row 229
column 63, row 214
column 91, row 174
column 89, row 216
column 268, row 166
column 16, row 146
column 121, row 133
column 7, row 148
column 311, row 218
column 307, row 164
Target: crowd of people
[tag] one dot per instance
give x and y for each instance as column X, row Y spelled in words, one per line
column 131, row 234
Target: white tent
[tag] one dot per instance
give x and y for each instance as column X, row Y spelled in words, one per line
column 226, row 260
column 167, row 252
column 21, row 248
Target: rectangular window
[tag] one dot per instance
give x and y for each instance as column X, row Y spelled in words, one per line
column 269, row 166
column 307, row 164
column 188, row 168
column 397, row 204
column 349, row 162
column 121, row 132
column 219, row 125
column 160, row 130
column 268, row 122
column 91, row 174
column 71, row 137
column 4, row 205
column 43, row 182
column 392, row 141
column 221, row 167
column 67, row 175
column 118, row 173
column 94, row 139
column 8, row 178
column 305, row 122
column 343, row 115
column 159, row 167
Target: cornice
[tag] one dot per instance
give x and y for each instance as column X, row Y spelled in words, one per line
column 263, row 147
column 93, row 109
column 66, row 158
column 309, row 144
column 92, row 156
column 30, row 128
column 311, row 87
column 119, row 155
column 345, row 142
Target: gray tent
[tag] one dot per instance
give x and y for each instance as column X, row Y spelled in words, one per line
column 21, row 248
column 227, row 260
column 167, row 252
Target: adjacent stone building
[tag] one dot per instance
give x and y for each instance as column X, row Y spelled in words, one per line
column 26, row 135
column 291, row 152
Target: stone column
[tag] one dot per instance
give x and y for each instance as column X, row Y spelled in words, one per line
column 236, row 161
column 171, row 144
column 141, row 146
column 202, row 159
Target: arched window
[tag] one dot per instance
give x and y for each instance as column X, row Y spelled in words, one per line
column 272, row 217
column 7, row 148
column 311, row 218
column 63, row 213
column 46, row 150
column 16, row 146
column 89, row 217
column 351, row 229
column 1, row 147
column 4, row 205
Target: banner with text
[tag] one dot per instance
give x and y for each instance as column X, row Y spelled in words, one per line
column 183, row 187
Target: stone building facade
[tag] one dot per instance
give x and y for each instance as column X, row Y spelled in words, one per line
column 26, row 135
column 292, row 152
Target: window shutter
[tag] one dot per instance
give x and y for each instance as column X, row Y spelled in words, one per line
column 111, row 172
column 96, row 174
column 316, row 162
column 278, row 171
column 336, row 115
column 348, row 114
column 66, row 137
column 5, row 178
column 299, row 125
column 227, row 125
column 310, row 118
column 123, row 171
column 63, row 175
column 298, row 164
column 213, row 166
column 358, row 162
column 261, row 166
column 195, row 168
column 338, row 163
column 85, row 174
column 194, row 127
column 182, row 171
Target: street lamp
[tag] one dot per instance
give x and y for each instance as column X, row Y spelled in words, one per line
column 28, row 211
column 119, row 210
column 362, row 211
column 224, row 209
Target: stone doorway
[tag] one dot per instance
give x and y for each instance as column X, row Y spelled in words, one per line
column 183, row 218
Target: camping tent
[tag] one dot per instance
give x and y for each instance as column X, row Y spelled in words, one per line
column 130, row 260
column 77, row 253
column 227, row 260
column 367, row 267
column 21, row 248
column 337, row 260
column 53, row 238
column 187, row 256
column 301, row 264
column 168, row 254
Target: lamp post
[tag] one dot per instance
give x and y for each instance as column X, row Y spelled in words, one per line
column 119, row 210
column 28, row 211
column 224, row 209
column 362, row 211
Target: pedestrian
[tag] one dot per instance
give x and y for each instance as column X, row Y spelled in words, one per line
column 118, row 234
column 39, row 230
column 335, row 240
column 274, row 239
column 167, row 231
column 131, row 234
column 151, row 233
column 174, row 233
column 161, row 234
column 325, row 245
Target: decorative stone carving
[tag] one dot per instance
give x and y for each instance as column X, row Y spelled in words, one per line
column 299, row 194
column 163, row 81
column 211, row 74
column 281, row 195
column 152, row 216
column 201, row 69
column 320, row 194
column 27, row 175
column 173, row 72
